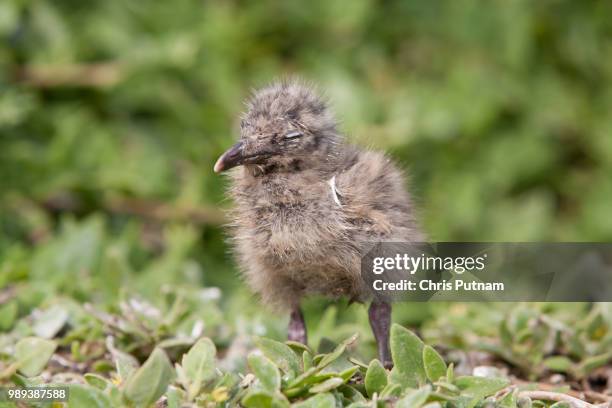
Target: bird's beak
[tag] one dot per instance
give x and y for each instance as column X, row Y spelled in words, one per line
column 233, row 157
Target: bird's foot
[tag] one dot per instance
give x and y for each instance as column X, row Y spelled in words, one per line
column 380, row 321
column 297, row 327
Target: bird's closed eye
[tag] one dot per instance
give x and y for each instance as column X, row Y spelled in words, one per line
column 293, row 134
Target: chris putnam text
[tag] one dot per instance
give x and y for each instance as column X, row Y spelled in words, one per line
column 444, row 285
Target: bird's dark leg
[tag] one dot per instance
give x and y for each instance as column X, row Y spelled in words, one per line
column 380, row 320
column 297, row 326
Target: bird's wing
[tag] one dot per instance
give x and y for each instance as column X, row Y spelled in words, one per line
column 373, row 195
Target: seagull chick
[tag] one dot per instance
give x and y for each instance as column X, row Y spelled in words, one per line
column 305, row 204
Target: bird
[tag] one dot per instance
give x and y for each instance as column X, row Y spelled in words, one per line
column 305, row 201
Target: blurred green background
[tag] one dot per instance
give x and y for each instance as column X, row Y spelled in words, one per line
column 112, row 114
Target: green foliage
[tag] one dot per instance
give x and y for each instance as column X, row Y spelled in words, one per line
column 120, row 110
column 146, row 384
column 275, row 376
column 197, row 367
column 474, row 389
column 434, row 365
column 407, row 351
column 281, row 355
column 414, row 398
column 565, row 338
column 32, row 355
column 84, row 396
column 266, row 372
column 375, row 378
column 318, row 401
column 112, row 258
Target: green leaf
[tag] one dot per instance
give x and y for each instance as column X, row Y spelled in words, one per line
column 435, row 367
column 450, row 373
column 559, row 363
column 125, row 363
column 375, row 378
column 198, row 365
column 280, row 354
column 150, row 381
column 325, row 400
column 86, row 396
column 266, row 372
column 508, row 401
column 306, row 360
column 97, row 381
column 8, row 314
column 391, row 390
column 264, row 399
column 50, row 322
column 303, row 378
column 327, row 385
column 446, row 386
column 505, row 334
column 407, row 352
column 32, row 355
column 597, row 327
column 334, row 355
column 592, row 363
column 348, row 373
column 352, row 392
column 298, row 347
column 414, row 398
column 320, row 377
column 358, row 363
column 479, row 387
column 173, row 397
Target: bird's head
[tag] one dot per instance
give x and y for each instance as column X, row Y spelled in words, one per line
column 286, row 126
